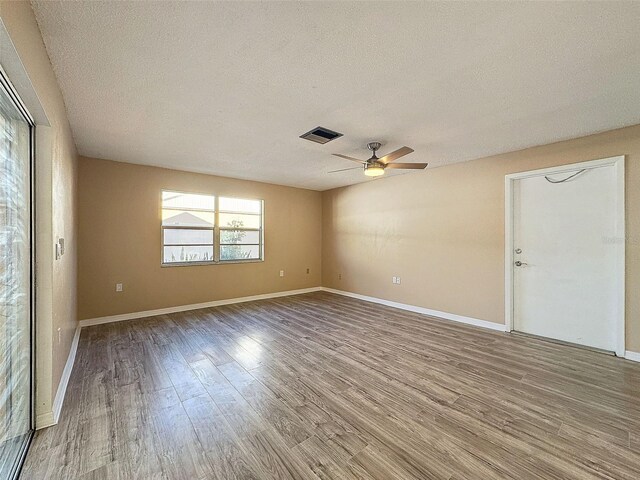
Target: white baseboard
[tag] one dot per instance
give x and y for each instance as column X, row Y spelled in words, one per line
column 633, row 356
column 425, row 311
column 45, row 420
column 66, row 375
column 51, row 418
column 194, row 306
column 48, row 419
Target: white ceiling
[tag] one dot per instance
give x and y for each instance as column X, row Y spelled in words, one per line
column 227, row 88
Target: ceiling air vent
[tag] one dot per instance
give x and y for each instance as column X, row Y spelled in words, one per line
column 321, row 135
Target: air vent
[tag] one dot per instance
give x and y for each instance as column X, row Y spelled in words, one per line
column 321, row 135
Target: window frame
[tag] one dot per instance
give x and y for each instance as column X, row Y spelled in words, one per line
column 216, row 231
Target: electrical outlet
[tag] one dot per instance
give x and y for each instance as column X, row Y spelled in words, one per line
column 397, row 280
column 393, row 280
column 307, row 271
column 118, row 287
column 339, row 276
column 282, row 273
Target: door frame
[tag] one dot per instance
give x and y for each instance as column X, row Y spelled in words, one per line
column 7, row 86
column 618, row 240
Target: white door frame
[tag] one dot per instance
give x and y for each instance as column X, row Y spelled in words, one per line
column 618, row 240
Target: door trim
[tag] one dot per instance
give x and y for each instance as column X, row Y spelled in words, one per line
column 7, row 87
column 618, row 240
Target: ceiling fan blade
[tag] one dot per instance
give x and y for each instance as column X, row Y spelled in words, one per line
column 348, row 158
column 345, row 169
column 408, row 166
column 401, row 152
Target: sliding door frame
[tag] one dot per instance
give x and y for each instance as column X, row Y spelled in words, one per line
column 5, row 84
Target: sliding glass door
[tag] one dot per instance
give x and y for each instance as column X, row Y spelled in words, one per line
column 16, row 280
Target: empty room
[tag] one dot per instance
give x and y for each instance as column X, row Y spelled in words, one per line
column 319, row 240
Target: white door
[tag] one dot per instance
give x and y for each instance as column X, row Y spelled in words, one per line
column 565, row 271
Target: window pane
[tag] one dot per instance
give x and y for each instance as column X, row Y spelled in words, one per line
column 239, row 252
column 182, row 236
column 187, row 201
column 240, row 236
column 188, row 253
column 240, row 205
column 238, row 220
column 181, row 218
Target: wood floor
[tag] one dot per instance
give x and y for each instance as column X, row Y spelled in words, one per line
column 324, row 386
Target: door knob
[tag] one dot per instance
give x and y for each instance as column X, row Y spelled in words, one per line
column 518, row 263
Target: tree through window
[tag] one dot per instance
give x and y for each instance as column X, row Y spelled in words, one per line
column 240, row 229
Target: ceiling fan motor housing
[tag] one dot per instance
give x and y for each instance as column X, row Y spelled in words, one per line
column 373, row 146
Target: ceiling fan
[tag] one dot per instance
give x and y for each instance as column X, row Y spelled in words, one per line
column 374, row 166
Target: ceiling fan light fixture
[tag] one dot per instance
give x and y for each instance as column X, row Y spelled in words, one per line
column 375, row 166
column 373, row 170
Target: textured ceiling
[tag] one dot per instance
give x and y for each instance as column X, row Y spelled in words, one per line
column 227, row 88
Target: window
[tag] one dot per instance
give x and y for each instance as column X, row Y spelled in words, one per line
column 240, row 229
column 188, row 229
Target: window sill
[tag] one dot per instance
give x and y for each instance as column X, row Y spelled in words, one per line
column 200, row 264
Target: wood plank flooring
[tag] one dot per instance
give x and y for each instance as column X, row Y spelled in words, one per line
column 324, row 386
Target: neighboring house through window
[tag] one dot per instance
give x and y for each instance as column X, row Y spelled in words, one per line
column 189, row 223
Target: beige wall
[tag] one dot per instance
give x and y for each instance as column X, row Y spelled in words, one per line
column 56, row 167
column 119, row 241
column 442, row 230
